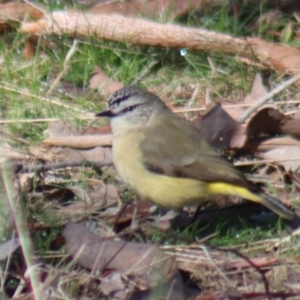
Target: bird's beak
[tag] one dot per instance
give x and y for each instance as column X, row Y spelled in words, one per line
column 106, row 113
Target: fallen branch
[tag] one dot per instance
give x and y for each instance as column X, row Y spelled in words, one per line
column 143, row 32
column 80, row 142
column 21, row 167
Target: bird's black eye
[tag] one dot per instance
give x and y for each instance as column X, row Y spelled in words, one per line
column 130, row 108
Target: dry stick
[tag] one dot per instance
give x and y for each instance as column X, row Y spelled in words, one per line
column 204, row 248
column 265, row 161
column 23, row 233
column 286, row 239
column 80, row 141
column 261, row 101
column 144, row 72
column 144, row 32
column 136, row 31
column 65, row 69
column 19, row 166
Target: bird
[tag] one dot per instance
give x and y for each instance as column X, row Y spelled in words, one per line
column 164, row 159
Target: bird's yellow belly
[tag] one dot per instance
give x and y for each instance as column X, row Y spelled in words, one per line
column 163, row 190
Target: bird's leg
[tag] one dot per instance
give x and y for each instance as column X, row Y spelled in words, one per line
column 134, row 222
column 196, row 213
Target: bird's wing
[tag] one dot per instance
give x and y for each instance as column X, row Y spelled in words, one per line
column 185, row 154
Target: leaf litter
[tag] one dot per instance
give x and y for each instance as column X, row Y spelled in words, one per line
column 121, row 268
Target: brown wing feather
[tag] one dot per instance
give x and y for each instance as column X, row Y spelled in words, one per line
column 184, row 153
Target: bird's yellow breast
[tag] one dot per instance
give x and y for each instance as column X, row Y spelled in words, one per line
column 163, row 190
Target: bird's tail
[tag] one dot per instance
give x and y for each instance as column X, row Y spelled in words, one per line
column 268, row 201
column 276, row 206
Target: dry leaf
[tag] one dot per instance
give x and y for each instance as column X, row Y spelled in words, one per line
column 29, row 49
column 101, row 196
column 161, row 10
column 290, row 153
column 258, row 90
column 144, row 208
column 17, row 12
column 114, row 287
column 217, row 127
column 88, row 202
column 266, row 143
column 105, row 85
column 8, row 247
column 272, row 122
column 61, row 129
column 143, row 263
column 281, row 57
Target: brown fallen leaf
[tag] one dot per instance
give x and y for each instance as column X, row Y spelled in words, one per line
column 258, row 90
column 290, row 153
column 217, row 127
column 105, row 85
column 281, row 57
column 102, row 196
column 29, row 49
column 291, row 126
column 267, row 121
column 60, row 128
column 88, row 202
column 144, row 264
column 92, row 251
column 161, row 10
column 272, row 122
column 114, row 286
column 266, row 143
column 126, row 212
column 12, row 11
column 8, row 247
column 105, row 129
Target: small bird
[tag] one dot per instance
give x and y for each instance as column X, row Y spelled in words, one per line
column 164, row 159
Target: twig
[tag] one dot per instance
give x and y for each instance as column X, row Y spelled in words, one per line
column 19, row 166
column 266, row 161
column 288, row 238
column 65, row 69
column 144, row 72
column 23, row 233
column 204, row 248
column 249, row 261
column 261, row 101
